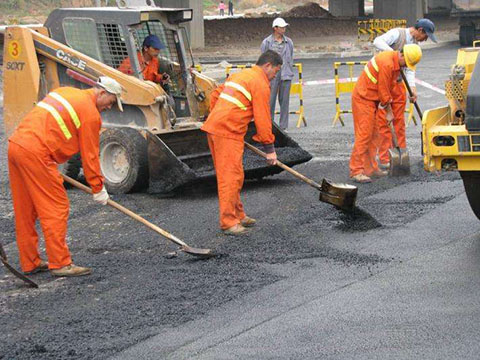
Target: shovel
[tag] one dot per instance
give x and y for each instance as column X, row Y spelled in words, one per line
column 342, row 196
column 18, row 274
column 399, row 159
column 411, row 94
column 201, row 253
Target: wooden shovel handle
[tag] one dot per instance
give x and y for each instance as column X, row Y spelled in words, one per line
column 411, row 94
column 127, row 212
column 286, row 168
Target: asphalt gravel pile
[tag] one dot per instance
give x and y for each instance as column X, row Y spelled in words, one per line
column 310, row 9
column 136, row 289
column 357, row 220
column 225, row 32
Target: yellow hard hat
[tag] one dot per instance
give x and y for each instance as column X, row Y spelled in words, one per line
column 412, row 54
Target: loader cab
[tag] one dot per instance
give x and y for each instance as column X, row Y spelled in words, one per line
column 111, row 35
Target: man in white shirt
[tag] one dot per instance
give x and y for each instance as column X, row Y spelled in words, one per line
column 396, row 39
column 281, row 84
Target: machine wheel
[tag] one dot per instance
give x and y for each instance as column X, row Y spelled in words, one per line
column 471, row 182
column 71, row 167
column 467, row 35
column 123, row 159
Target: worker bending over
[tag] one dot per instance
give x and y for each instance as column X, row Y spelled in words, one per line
column 396, row 39
column 243, row 97
column 373, row 92
column 65, row 122
column 148, row 60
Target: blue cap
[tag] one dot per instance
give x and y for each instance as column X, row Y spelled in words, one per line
column 153, row 41
column 428, row 26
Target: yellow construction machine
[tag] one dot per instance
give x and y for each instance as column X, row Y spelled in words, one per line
column 451, row 134
column 156, row 142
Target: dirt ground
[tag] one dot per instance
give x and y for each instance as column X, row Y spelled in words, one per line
column 243, row 36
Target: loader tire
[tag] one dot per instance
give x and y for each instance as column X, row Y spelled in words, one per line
column 71, row 167
column 471, row 182
column 123, row 159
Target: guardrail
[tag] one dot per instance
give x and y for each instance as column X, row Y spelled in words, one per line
column 346, row 85
column 370, row 29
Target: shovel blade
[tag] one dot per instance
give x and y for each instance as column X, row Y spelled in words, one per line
column 399, row 162
column 343, row 196
column 198, row 252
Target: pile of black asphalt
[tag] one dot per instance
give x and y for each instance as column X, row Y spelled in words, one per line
column 137, row 288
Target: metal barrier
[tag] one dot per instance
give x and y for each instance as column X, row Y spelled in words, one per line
column 374, row 27
column 346, row 86
column 295, row 89
column 343, row 87
column 228, row 68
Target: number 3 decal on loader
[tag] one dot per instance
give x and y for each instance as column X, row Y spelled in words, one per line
column 14, row 49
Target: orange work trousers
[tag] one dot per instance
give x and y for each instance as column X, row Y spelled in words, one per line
column 362, row 160
column 38, row 192
column 227, row 157
column 384, row 140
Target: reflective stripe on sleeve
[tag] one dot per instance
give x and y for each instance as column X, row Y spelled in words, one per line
column 374, row 64
column 70, row 109
column 233, row 101
column 369, row 74
column 57, row 117
column 239, row 88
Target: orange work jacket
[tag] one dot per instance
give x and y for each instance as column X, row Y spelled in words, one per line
column 379, row 77
column 64, row 123
column 149, row 69
column 245, row 95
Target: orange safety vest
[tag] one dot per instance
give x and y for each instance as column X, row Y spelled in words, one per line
column 379, row 77
column 64, row 123
column 245, row 95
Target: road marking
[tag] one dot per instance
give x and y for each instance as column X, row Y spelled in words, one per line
column 429, row 86
column 328, row 81
column 344, row 80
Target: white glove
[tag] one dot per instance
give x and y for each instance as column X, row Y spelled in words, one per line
column 101, row 197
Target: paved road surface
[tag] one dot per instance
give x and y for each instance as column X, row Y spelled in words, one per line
column 397, row 280
column 423, row 305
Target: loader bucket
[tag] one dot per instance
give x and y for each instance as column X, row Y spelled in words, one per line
column 182, row 158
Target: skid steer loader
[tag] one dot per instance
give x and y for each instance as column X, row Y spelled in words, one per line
column 451, row 134
column 156, row 142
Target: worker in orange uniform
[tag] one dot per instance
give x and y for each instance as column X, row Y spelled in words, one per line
column 373, row 91
column 396, row 39
column 65, row 122
column 148, row 60
column 243, row 97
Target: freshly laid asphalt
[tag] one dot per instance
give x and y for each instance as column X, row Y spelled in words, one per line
column 397, row 280
column 422, row 305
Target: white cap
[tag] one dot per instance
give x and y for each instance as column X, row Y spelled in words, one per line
column 279, row 22
column 113, row 87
